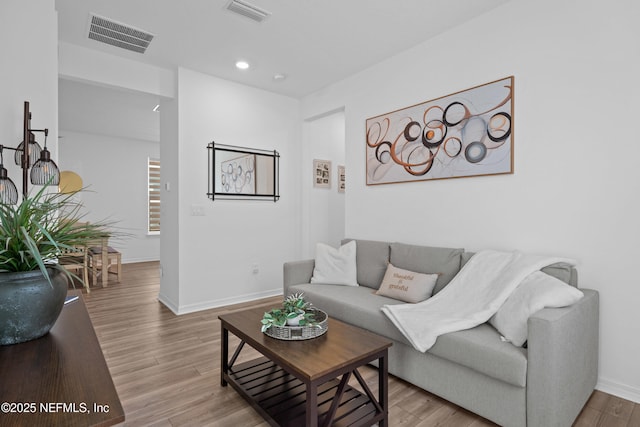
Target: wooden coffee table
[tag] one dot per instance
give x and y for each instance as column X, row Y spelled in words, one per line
column 306, row 382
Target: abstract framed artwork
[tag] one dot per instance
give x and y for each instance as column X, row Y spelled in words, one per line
column 242, row 173
column 238, row 175
column 322, row 173
column 468, row 133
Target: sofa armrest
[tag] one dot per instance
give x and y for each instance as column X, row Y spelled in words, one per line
column 562, row 361
column 297, row 272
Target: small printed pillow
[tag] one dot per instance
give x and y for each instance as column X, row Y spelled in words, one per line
column 406, row 285
column 537, row 291
column 336, row 266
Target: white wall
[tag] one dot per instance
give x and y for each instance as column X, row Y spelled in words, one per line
column 573, row 192
column 217, row 251
column 323, row 209
column 576, row 183
column 114, row 170
column 82, row 64
column 208, row 261
column 170, row 204
column 29, row 72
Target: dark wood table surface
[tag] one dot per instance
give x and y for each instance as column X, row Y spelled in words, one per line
column 341, row 350
column 60, row 379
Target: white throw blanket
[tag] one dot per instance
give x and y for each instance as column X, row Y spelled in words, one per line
column 470, row 299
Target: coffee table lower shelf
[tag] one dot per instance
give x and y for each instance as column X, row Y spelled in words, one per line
column 281, row 398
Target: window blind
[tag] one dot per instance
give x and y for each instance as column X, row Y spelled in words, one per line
column 154, row 195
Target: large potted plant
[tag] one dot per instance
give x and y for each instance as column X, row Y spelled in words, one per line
column 33, row 287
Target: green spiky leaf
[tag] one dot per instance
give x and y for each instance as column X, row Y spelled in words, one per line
column 34, row 233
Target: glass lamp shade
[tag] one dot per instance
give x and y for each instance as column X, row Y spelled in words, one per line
column 45, row 171
column 8, row 190
column 34, row 151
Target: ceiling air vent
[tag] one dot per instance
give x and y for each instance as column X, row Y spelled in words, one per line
column 248, row 10
column 117, row 34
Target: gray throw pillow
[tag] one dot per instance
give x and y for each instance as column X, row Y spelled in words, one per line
column 372, row 258
column 429, row 260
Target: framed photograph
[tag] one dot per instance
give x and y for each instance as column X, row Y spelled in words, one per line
column 322, row 173
column 468, row 133
column 341, row 179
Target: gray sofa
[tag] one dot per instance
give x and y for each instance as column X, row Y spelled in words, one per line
column 545, row 384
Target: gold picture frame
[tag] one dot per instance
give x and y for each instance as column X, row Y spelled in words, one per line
column 467, row 133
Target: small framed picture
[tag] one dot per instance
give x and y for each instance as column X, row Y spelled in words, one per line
column 322, row 173
column 341, row 180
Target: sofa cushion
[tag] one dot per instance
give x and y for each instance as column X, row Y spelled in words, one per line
column 407, row 286
column 372, row 258
column 479, row 348
column 337, row 266
column 537, row 291
column 430, row 260
column 562, row 271
column 482, row 350
column 359, row 306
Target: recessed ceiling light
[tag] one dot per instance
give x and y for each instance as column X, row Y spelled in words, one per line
column 242, row 65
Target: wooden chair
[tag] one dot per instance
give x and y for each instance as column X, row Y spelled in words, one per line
column 102, row 260
column 76, row 260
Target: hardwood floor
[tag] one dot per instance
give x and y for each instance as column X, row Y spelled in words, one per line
column 166, row 368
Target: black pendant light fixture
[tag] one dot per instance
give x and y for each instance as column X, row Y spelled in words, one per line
column 28, row 154
column 45, row 171
column 8, row 190
column 33, row 152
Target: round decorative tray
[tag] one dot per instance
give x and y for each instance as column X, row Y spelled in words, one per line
column 291, row 333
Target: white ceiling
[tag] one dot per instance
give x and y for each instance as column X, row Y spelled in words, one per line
column 100, row 110
column 314, row 42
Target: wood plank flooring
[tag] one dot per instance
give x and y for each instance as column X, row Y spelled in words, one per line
column 166, row 368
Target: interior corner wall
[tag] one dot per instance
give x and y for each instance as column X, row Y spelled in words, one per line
column 323, row 215
column 112, row 196
column 219, row 250
column 29, row 72
column 169, row 293
column 575, row 186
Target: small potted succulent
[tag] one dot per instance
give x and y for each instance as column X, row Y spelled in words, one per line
column 295, row 311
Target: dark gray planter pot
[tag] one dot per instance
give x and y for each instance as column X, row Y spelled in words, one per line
column 29, row 305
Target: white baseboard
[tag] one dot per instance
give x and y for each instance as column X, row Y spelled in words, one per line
column 618, row 389
column 206, row 305
column 168, row 303
column 134, row 260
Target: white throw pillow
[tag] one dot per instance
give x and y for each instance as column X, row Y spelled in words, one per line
column 407, row 286
column 336, row 266
column 537, row 291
